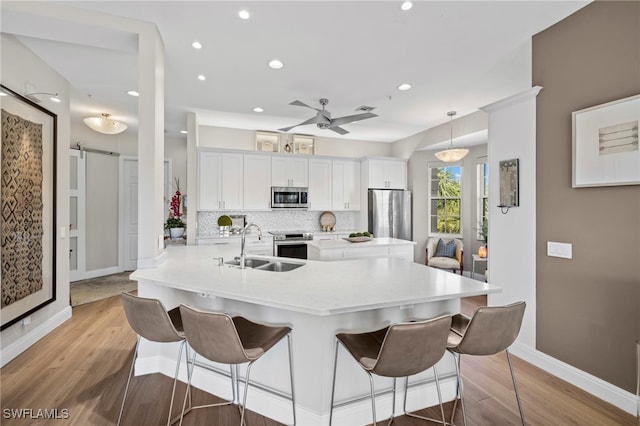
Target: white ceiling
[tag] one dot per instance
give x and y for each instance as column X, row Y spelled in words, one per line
column 456, row 55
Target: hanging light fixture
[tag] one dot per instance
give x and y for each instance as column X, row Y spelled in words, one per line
column 104, row 124
column 451, row 154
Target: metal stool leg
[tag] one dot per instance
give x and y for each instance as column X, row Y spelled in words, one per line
column 244, row 399
column 126, row 389
column 404, row 406
column 373, row 398
column 188, row 394
column 333, row 388
column 293, row 398
column 515, row 387
column 459, row 391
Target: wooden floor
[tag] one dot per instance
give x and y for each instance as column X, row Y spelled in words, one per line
column 82, row 367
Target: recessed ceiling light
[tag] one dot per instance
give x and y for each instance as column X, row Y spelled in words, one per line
column 55, row 99
column 406, row 5
column 196, row 45
column 202, row 77
column 404, row 86
column 275, row 64
column 243, row 14
column 258, row 109
column 184, row 132
column 133, row 93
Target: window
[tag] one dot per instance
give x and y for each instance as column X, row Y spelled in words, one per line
column 445, row 199
column 483, row 198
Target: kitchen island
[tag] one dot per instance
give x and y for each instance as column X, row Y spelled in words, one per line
column 317, row 300
column 344, row 249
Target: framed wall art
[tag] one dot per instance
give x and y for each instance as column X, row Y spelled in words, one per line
column 27, row 207
column 605, row 144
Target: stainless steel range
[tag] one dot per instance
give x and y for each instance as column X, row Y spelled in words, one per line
column 291, row 243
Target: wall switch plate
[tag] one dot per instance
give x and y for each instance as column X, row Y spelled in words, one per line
column 563, row 250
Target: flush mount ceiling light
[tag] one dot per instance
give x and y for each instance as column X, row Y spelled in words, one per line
column 275, row 64
column 243, row 14
column 404, row 86
column 105, row 125
column 451, row 154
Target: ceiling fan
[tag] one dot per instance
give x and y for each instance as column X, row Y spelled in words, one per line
column 323, row 118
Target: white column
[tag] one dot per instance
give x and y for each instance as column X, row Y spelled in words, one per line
column 512, row 236
column 192, row 177
column 150, row 147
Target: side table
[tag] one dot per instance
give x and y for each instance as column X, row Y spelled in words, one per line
column 476, row 259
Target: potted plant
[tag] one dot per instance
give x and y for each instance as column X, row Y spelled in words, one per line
column 174, row 222
column 224, row 224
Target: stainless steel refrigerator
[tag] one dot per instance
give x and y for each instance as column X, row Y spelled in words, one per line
column 390, row 213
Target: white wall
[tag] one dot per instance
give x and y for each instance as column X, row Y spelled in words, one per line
column 19, row 67
column 512, row 236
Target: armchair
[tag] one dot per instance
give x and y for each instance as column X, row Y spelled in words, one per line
column 454, row 263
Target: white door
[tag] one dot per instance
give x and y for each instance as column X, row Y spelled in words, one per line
column 77, row 213
column 130, row 214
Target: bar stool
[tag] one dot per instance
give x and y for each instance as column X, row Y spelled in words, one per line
column 400, row 350
column 489, row 331
column 221, row 338
column 150, row 320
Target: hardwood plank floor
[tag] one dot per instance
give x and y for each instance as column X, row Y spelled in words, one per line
column 82, row 367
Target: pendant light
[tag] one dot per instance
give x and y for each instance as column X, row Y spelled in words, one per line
column 104, row 124
column 451, row 154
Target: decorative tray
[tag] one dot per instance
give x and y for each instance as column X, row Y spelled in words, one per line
column 357, row 239
column 327, row 221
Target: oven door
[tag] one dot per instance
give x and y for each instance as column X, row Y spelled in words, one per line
column 296, row 250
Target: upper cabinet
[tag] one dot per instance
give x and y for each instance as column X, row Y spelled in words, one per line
column 257, row 182
column 345, row 185
column 386, row 173
column 220, row 181
column 319, row 184
column 289, row 171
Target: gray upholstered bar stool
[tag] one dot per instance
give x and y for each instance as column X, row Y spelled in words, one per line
column 400, row 350
column 221, row 338
column 151, row 321
column 491, row 329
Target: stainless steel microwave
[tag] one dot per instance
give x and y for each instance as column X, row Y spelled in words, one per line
column 286, row 197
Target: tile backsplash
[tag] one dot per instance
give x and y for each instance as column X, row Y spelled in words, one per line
column 279, row 220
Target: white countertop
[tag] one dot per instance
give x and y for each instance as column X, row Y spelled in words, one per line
column 374, row 242
column 317, row 288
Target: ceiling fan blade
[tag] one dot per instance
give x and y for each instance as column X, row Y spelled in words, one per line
column 302, row 104
column 319, row 118
column 350, row 118
column 339, row 130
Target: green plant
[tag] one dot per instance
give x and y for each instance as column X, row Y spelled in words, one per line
column 174, row 222
column 224, row 220
column 484, row 231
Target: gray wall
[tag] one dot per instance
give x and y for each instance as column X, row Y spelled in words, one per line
column 588, row 308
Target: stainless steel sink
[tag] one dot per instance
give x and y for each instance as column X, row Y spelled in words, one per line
column 279, row 266
column 248, row 262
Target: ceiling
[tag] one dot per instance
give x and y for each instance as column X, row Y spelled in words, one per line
column 456, row 55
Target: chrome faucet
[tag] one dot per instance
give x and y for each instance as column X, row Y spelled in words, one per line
column 244, row 233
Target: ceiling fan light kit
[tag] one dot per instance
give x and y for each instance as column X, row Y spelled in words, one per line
column 105, row 125
column 450, row 155
column 323, row 118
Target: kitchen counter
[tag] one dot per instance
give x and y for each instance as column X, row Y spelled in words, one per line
column 317, row 300
column 340, row 249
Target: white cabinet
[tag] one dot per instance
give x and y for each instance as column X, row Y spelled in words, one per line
column 289, row 171
column 257, row 182
column 319, row 184
column 387, row 174
column 345, row 185
column 220, row 181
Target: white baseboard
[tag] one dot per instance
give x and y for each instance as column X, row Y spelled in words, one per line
column 601, row 389
column 26, row 341
column 97, row 273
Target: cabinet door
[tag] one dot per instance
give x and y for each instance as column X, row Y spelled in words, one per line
column 396, row 174
column 319, row 184
column 231, row 180
column 299, row 171
column 352, row 185
column 209, row 196
column 346, row 185
column 257, row 182
column 279, row 171
column 376, row 174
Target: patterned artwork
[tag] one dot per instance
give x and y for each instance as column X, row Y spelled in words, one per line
column 21, row 208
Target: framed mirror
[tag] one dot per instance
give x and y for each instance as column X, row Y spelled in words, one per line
column 509, row 194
